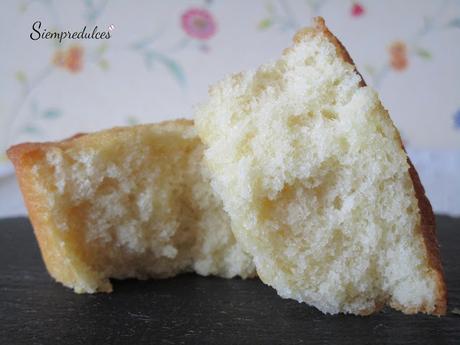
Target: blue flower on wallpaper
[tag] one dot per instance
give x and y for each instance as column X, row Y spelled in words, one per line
column 457, row 119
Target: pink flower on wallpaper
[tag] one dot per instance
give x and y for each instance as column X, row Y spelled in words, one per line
column 357, row 9
column 198, row 23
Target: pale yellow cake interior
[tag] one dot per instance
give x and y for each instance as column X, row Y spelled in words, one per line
column 134, row 202
column 313, row 175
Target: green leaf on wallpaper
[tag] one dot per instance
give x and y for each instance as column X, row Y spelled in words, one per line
column 21, row 77
column 265, row 23
column 51, row 113
column 149, row 58
column 3, row 158
column 369, row 69
column 423, row 53
column 132, row 120
column 174, row 68
column 56, row 45
column 22, row 7
column 104, row 64
column 102, row 48
column 455, row 23
column 30, row 129
column 269, row 7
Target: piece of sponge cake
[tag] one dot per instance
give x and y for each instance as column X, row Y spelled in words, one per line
column 131, row 202
column 319, row 189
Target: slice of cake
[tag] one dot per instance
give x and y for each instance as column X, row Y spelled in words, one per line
column 319, row 189
column 126, row 203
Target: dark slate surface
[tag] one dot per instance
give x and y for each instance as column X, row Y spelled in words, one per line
column 195, row 310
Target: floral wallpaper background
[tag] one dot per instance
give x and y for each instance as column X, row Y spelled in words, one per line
column 162, row 55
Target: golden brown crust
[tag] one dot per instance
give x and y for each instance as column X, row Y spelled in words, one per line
column 15, row 152
column 59, row 262
column 65, row 264
column 427, row 221
column 428, row 230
